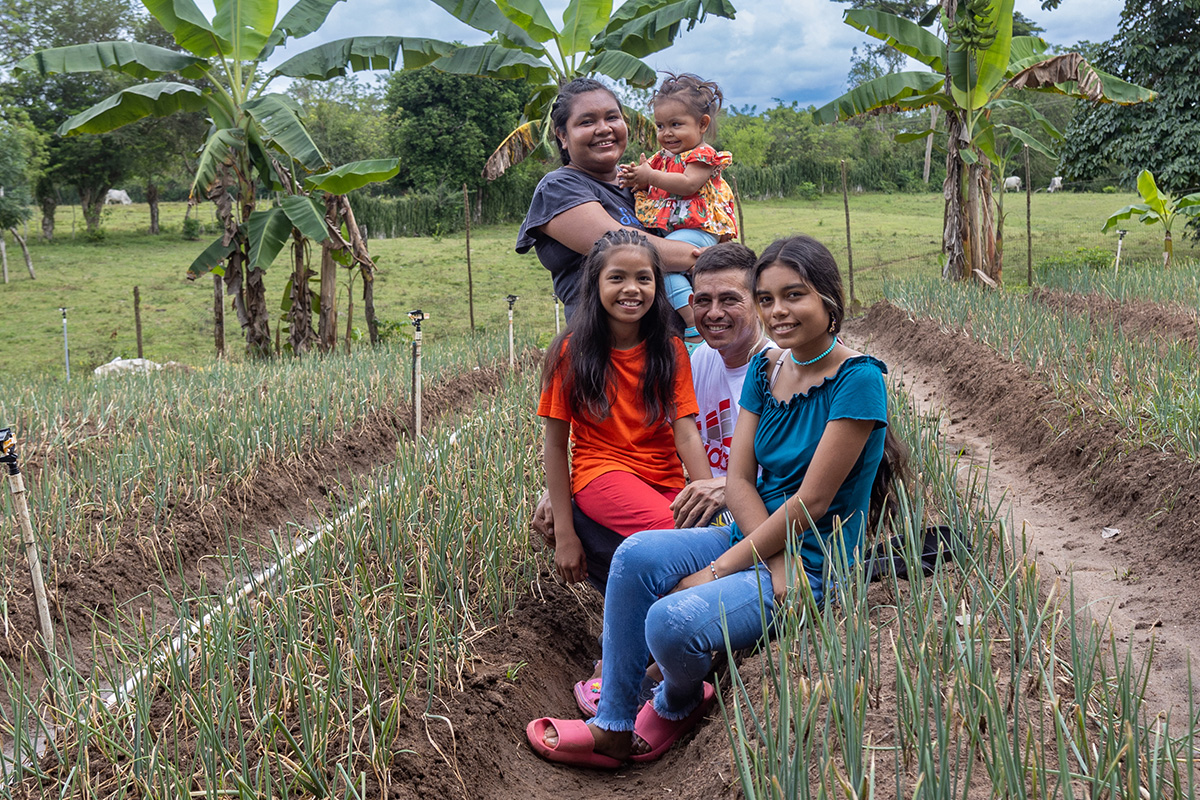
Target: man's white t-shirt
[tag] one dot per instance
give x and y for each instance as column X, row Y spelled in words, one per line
column 718, row 392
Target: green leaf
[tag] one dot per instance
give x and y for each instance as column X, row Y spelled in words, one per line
column 905, row 138
column 359, row 53
column 134, row 103
column 902, row 34
column 302, row 19
column 266, row 233
column 877, row 93
column 210, row 260
column 276, row 113
column 1025, row 51
column 484, row 15
column 1189, row 204
column 305, row 216
column 968, row 156
column 131, row 58
column 582, row 20
column 620, row 66
column 653, row 26
column 495, row 61
column 355, row 175
column 245, row 24
column 1148, row 189
column 1121, row 92
column 191, row 29
column 529, row 16
column 219, row 148
column 985, row 140
column 1028, row 139
column 1125, row 213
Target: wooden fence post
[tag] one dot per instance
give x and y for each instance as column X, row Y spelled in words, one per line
column 1028, row 222
column 137, row 318
column 854, row 304
column 470, row 282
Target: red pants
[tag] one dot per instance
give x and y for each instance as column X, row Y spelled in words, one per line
column 625, row 504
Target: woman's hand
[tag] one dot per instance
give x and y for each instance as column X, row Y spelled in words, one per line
column 777, row 564
column 570, row 560
column 697, row 578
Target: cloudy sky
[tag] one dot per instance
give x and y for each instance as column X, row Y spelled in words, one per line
column 787, row 49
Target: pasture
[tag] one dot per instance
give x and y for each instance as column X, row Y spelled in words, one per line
column 892, row 236
column 420, row 627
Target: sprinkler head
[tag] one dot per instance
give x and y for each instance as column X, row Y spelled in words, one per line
column 1121, row 233
column 8, row 448
column 512, row 298
column 417, row 317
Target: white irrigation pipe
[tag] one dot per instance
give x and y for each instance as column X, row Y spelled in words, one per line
column 259, row 579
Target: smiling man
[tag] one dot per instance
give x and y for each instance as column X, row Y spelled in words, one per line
column 723, row 304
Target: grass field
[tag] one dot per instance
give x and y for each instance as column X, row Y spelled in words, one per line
column 892, row 236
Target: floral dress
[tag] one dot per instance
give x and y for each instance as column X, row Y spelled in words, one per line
column 710, row 209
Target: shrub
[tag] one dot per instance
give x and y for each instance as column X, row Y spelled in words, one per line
column 191, row 229
column 1082, row 258
column 1110, row 189
column 808, row 190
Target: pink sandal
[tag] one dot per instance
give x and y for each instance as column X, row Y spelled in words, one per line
column 576, row 745
column 661, row 733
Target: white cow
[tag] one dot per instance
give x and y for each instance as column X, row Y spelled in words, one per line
column 1012, row 184
column 117, row 196
column 1055, row 184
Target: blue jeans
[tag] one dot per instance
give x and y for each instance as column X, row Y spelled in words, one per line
column 680, row 630
column 679, row 288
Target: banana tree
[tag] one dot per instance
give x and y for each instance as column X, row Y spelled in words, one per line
column 971, row 70
column 592, row 40
column 1156, row 208
column 256, row 137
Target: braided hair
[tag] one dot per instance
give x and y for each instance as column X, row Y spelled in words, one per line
column 588, row 371
column 699, row 96
column 560, row 112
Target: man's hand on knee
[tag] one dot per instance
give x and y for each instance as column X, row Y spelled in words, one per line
column 698, row 502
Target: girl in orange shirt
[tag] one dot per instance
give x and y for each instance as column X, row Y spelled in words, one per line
column 617, row 386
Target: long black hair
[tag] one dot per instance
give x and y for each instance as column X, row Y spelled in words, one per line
column 588, row 370
column 817, row 267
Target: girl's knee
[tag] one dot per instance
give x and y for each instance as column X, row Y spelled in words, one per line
column 675, row 621
column 632, row 556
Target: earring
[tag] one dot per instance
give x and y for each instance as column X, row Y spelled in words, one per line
column 832, row 325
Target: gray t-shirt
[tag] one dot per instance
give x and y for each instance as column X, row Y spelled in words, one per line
column 562, row 190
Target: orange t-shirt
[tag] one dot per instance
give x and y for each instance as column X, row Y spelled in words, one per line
column 623, row 442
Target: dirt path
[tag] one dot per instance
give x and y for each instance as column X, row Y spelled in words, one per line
column 1143, row 581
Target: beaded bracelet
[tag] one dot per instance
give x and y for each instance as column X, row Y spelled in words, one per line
column 712, row 565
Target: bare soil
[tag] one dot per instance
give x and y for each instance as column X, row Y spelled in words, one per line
column 153, row 563
column 1065, row 474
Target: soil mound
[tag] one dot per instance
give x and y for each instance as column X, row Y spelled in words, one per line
column 1137, row 318
column 1156, row 492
